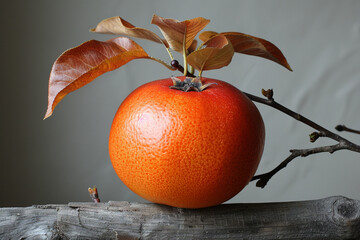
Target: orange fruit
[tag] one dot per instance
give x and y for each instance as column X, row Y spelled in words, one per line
column 186, row 149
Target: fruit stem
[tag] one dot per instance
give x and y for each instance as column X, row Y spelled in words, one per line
column 176, row 66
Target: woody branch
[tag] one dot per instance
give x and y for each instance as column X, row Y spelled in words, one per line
column 321, row 132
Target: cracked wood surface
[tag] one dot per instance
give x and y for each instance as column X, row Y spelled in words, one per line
column 329, row 218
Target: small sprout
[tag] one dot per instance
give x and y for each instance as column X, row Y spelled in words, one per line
column 314, row 136
column 94, row 194
column 261, row 183
column 268, row 93
column 340, row 128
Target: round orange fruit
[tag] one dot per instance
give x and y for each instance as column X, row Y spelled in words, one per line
column 186, row 149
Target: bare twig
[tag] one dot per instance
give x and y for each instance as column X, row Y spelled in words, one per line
column 264, row 178
column 341, row 128
column 322, row 132
column 94, row 194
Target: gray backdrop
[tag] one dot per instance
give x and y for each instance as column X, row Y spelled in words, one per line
column 56, row 160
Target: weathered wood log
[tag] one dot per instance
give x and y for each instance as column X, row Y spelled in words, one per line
column 329, row 218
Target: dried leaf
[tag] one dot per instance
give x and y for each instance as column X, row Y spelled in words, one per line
column 193, row 46
column 118, row 26
column 217, row 54
column 205, row 36
column 250, row 45
column 175, row 31
column 78, row 66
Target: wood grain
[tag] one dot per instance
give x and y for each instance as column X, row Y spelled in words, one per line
column 329, row 218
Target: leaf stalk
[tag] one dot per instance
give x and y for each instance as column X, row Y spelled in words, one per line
column 162, row 62
column 184, row 54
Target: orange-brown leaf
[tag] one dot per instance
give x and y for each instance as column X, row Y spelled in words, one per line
column 217, row 54
column 175, row 32
column 78, row 66
column 119, row 26
column 250, row 45
column 193, row 46
column 205, row 36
